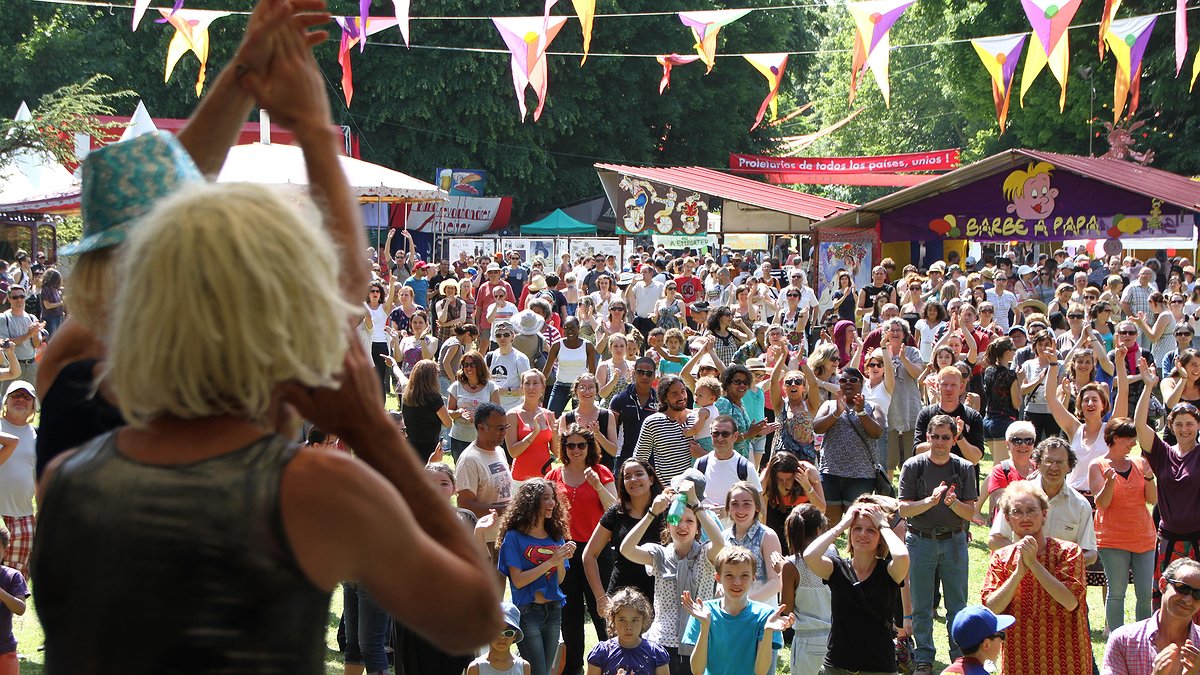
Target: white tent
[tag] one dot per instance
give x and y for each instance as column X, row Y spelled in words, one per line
column 275, row 164
column 34, row 176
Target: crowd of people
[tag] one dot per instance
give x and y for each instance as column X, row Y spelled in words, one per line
column 666, row 447
column 598, row 390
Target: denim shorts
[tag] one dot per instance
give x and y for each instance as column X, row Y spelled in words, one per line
column 995, row 428
column 840, row 490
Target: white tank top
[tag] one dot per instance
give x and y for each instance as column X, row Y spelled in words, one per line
column 571, row 362
column 378, row 321
column 877, row 395
column 1084, row 454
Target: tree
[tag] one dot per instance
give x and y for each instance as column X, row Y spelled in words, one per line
column 61, row 114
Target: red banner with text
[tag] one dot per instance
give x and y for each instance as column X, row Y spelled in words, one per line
column 938, row 160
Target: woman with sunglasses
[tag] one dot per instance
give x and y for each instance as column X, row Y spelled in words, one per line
column 1159, row 330
column 374, row 325
column 1040, row 581
column 736, row 381
column 795, row 398
column 668, row 310
column 847, row 461
column 599, row 421
column 588, row 488
column 1178, row 497
column 1134, row 357
column 615, row 323
column 471, row 387
column 1019, row 438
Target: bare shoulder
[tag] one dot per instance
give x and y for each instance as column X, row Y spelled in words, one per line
column 330, row 503
column 71, row 342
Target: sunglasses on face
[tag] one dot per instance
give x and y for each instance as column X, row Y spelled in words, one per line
column 794, row 381
column 998, row 636
column 874, row 365
column 1074, row 316
column 941, row 437
column 509, row 633
column 504, row 335
column 643, row 372
column 740, row 383
column 1021, row 440
column 1183, row 589
column 1127, row 332
column 722, row 434
column 577, row 446
column 848, row 380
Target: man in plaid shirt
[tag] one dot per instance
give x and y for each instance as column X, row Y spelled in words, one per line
column 1168, row 642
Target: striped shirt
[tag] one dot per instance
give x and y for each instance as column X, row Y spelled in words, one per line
column 662, row 439
column 1131, row 649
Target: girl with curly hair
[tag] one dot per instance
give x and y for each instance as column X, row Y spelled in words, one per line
column 534, row 554
column 628, row 617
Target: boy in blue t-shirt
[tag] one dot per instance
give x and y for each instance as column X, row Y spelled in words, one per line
column 13, row 592
column 741, row 632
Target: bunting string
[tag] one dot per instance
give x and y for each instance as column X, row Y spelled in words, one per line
column 528, row 40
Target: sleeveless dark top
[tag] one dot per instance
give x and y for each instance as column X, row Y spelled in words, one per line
column 71, row 415
column 179, row 568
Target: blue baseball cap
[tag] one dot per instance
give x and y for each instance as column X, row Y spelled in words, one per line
column 974, row 624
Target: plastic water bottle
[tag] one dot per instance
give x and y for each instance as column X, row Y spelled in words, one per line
column 675, row 513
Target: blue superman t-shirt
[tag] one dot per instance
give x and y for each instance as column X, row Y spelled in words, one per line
column 524, row 552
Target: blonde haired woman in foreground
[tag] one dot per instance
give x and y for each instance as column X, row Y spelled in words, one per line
column 232, row 534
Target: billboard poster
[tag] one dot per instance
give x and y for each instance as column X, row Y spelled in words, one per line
column 835, row 256
column 1036, row 202
column 747, row 242
column 472, row 246
column 461, row 182
column 643, row 207
column 590, row 247
column 937, row 160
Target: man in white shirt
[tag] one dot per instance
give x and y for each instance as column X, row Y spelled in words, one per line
column 481, row 474
column 723, row 467
column 1070, row 516
column 641, row 297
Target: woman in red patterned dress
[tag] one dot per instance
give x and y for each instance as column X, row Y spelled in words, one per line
column 1040, row 581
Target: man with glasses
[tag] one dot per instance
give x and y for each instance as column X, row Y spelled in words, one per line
column 634, row 405
column 723, row 467
column 17, row 482
column 481, row 473
column 1136, row 297
column 1003, row 300
column 661, row 440
column 1070, row 517
column 506, row 365
column 1167, row 642
column 937, row 496
column 25, row 331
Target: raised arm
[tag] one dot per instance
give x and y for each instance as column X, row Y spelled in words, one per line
column 1146, row 433
column 1068, row 422
column 629, row 545
column 294, row 93
column 219, row 118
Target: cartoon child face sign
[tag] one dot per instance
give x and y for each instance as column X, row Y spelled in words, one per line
column 1030, row 192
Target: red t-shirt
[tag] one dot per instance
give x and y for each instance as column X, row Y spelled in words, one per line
column 584, row 502
column 1002, row 474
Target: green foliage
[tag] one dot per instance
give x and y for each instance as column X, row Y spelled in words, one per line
column 941, row 95
column 418, row 109
column 61, row 114
column 70, row 230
